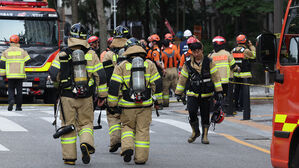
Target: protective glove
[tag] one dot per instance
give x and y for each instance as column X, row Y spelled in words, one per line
column 178, row 97
column 156, row 105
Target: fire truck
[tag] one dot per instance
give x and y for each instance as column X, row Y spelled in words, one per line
column 37, row 27
column 281, row 57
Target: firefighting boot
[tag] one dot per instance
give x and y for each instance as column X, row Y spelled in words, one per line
column 195, row 131
column 204, row 138
column 114, row 148
column 85, row 153
column 127, row 154
column 70, row 161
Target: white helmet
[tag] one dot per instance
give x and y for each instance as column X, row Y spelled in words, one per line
column 187, row 33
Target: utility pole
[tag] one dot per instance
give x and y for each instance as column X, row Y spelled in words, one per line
column 278, row 15
column 113, row 9
column 177, row 16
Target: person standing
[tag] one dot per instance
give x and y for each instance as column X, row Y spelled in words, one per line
column 77, row 69
column 93, row 41
column 243, row 53
column 12, row 65
column 203, row 77
column 138, row 79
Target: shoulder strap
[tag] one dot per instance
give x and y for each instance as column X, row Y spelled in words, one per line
column 205, row 65
column 190, row 69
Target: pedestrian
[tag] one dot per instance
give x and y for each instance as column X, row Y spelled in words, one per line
column 110, row 60
column 138, row 79
column 243, row 53
column 170, row 59
column 226, row 64
column 203, row 78
column 76, row 69
column 12, row 65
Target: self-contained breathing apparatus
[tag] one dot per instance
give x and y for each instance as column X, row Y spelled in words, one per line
column 239, row 57
column 200, row 82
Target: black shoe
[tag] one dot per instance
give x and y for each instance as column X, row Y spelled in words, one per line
column 10, row 106
column 141, row 163
column 85, row 153
column 127, row 155
column 114, row 148
column 18, row 109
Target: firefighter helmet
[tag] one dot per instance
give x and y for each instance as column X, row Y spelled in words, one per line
column 131, row 42
column 109, row 41
column 187, row 33
column 155, row 37
column 194, row 43
column 219, row 40
column 14, row 39
column 78, row 31
column 218, row 116
column 121, row 32
column 168, row 36
column 92, row 39
column 192, row 40
column 241, row 39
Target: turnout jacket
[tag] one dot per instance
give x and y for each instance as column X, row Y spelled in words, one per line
column 12, row 62
column 242, row 55
column 225, row 64
column 185, row 77
column 121, row 78
column 94, row 67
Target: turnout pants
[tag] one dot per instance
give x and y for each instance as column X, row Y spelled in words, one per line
column 204, row 104
column 78, row 112
column 12, row 85
column 114, row 128
column 135, row 132
column 169, row 82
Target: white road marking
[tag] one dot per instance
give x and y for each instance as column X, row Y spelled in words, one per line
column 8, row 125
column 178, row 124
column 3, row 148
column 51, row 119
column 10, row 114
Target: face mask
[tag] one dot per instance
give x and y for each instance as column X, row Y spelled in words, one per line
column 150, row 44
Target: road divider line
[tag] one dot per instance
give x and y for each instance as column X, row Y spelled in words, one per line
column 232, row 138
column 3, row 148
column 8, row 125
column 250, row 123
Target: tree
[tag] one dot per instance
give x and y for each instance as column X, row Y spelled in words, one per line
column 75, row 17
column 102, row 24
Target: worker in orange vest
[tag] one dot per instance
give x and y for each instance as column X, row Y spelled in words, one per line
column 109, row 41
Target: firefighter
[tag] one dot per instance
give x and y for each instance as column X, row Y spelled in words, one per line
column 170, row 58
column 155, row 52
column 203, row 78
column 243, row 53
column 110, row 60
column 183, row 48
column 225, row 63
column 12, row 65
column 109, row 41
column 93, row 41
column 169, row 37
column 77, row 68
column 138, row 79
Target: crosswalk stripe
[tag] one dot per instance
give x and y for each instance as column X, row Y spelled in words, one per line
column 10, row 114
column 8, row 125
column 178, row 124
column 3, row 148
column 51, row 119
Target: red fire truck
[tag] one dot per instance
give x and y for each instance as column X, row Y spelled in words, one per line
column 283, row 60
column 38, row 28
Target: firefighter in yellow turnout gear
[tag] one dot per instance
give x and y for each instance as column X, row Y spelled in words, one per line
column 110, row 60
column 12, row 65
column 136, row 103
column 76, row 100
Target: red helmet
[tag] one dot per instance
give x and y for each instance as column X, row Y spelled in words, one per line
column 109, row 41
column 192, row 40
column 168, row 36
column 219, row 40
column 14, row 39
column 155, row 37
column 218, row 116
column 92, row 39
column 241, row 39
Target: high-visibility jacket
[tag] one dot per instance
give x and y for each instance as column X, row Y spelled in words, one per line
column 154, row 53
column 94, row 67
column 170, row 57
column 185, row 57
column 225, row 63
column 121, row 78
column 242, row 55
column 185, row 76
column 12, row 62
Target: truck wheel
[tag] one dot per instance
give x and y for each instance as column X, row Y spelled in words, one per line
column 50, row 96
column 295, row 158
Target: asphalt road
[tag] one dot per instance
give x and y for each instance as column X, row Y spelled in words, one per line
column 26, row 141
